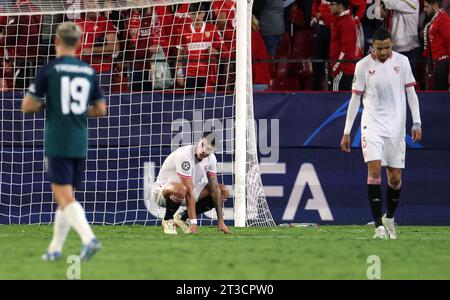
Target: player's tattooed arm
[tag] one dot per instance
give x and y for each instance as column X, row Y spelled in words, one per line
column 190, row 198
column 215, row 193
column 216, row 196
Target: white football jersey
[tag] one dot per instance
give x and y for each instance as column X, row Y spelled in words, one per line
column 384, row 98
column 183, row 163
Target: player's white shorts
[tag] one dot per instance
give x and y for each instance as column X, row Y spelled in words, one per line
column 391, row 151
column 157, row 196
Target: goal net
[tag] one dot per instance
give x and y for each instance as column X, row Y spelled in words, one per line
column 170, row 70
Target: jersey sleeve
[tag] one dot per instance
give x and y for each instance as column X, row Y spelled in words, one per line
column 360, row 6
column 183, row 165
column 212, row 167
column 359, row 80
column 443, row 29
column 224, row 7
column 38, row 87
column 97, row 94
column 408, row 76
column 327, row 17
column 405, row 6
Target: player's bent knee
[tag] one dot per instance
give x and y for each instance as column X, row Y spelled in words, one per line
column 373, row 180
column 63, row 194
column 395, row 183
column 180, row 192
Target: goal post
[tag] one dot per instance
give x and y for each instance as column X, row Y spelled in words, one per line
column 242, row 90
column 166, row 82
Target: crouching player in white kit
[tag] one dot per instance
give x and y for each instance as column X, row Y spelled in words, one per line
column 382, row 78
column 189, row 175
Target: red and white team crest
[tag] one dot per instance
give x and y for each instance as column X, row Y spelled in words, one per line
column 397, row 69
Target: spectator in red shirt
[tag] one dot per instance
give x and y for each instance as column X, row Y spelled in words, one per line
column 200, row 46
column 143, row 37
column 260, row 70
column 23, row 35
column 437, row 43
column 181, row 18
column 342, row 44
column 321, row 45
column 224, row 12
column 99, row 44
column 165, row 18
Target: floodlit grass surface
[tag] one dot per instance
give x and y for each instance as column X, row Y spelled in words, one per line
column 145, row 252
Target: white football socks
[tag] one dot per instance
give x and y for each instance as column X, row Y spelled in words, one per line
column 76, row 217
column 60, row 230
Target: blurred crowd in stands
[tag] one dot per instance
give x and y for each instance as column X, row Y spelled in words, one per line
column 296, row 44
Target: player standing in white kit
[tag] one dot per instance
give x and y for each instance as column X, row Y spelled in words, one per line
column 384, row 78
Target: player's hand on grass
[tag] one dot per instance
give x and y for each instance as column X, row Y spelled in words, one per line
column 222, row 227
column 416, row 133
column 193, row 228
column 345, row 143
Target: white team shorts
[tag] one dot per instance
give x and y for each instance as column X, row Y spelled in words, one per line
column 391, row 151
column 157, row 196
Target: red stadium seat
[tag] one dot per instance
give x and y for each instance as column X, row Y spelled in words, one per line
column 282, row 68
column 283, row 51
column 302, row 49
column 284, row 47
column 303, row 45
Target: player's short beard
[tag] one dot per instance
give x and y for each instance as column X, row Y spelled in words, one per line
column 198, row 150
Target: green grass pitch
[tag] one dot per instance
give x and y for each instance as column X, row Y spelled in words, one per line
column 144, row 252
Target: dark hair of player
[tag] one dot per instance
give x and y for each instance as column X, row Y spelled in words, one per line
column 439, row 2
column 210, row 137
column 381, row 34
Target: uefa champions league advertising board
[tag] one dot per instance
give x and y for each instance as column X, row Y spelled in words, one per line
column 306, row 178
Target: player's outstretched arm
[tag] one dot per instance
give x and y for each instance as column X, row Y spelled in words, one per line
column 352, row 111
column 98, row 109
column 216, row 196
column 413, row 101
column 190, row 202
column 30, row 105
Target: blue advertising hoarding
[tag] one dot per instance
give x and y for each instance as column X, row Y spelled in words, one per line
column 305, row 175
